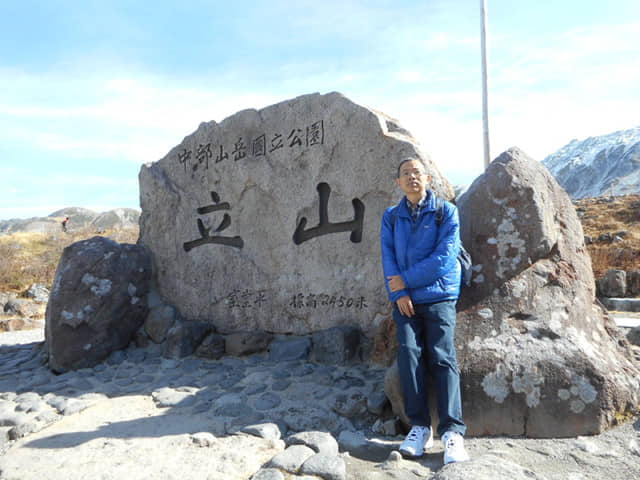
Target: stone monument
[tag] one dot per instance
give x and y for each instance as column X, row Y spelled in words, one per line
column 270, row 219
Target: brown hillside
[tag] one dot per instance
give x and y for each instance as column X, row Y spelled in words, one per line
column 32, row 257
column 613, row 225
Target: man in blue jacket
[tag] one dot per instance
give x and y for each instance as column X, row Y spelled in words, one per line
column 419, row 257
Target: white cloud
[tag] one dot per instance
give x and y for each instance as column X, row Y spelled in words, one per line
column 133, row 118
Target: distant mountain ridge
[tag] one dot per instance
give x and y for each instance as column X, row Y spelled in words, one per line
column 78, row 218
column 603, row 165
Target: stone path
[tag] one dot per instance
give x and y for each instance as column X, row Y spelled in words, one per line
column 140, row 416
column 211, row 399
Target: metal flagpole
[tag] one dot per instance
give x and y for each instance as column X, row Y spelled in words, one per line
column 485, row 104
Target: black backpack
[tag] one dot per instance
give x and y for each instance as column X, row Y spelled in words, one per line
column 463, row 256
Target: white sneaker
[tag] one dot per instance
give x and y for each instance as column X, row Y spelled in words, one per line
column 417, row 442
column 454, row 448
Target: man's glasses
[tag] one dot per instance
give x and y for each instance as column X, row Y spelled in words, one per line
column 410, row 173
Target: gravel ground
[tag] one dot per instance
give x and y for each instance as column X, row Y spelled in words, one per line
column 134, row 435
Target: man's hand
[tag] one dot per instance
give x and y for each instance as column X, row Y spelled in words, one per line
column 396, row 283
column 405, row 305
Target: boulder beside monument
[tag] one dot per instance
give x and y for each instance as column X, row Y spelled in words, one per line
column 538, row 354
column 98, row 301
column 270, row 219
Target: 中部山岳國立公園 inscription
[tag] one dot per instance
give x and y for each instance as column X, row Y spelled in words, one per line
column 198, row 157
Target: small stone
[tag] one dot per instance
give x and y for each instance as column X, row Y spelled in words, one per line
column 320, row 442
column 280, row 385
column 31, row 406
column 267, row 401
column 117, row 357
column 158, row 322
column 144, row 379
column 376, row 401
column 201, row 408
column 329, row 467
column 377, row 426
column 141, row 339
column 337, row 345
column 634, row 336
column 212, row 347
column 268, row 431
column 394, row 456
column 47, row 417
column 38, row 380
column 246, row 343
column 586, row 445
column 230, row 381
column 303, row 370
column 73, row 406
column 12, row 419
column 237, row 424
column 4, row 436
column 168, row 397
column 281, row 373
column 291, row 459
column 350, row 406
column 24, row 429
column 185, row 337
column 390, row 427
column 234, row 410
column 123, row 382
column 345, row 382
column 352, row 441
column 191, row 365
column 255, row 389
column 293, row 349
column 203, row 439
column 137, row 356
column 268, row 474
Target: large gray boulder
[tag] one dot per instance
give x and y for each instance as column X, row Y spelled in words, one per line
column 270, row 220
column 537, row 354
column 97, row 302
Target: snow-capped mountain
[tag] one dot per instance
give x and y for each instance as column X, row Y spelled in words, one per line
column 604, row 165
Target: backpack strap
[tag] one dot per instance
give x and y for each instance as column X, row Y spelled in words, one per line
column 439, row 210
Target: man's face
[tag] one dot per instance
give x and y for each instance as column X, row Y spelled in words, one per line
column 413, row 179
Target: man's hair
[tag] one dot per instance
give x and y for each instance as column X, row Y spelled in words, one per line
column 409, row 159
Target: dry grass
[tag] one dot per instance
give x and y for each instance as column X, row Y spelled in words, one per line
column 32, row 257
column 612, row 215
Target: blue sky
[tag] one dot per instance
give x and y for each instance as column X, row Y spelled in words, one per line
column 90, row 90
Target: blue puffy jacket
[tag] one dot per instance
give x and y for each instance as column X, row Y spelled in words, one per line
column 420, row 251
